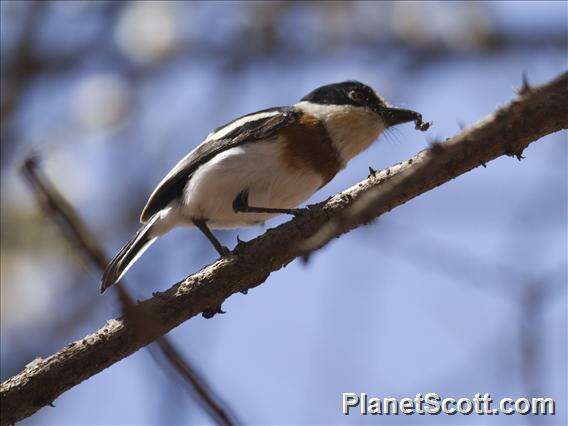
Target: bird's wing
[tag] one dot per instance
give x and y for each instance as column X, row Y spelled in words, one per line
column 255, row 127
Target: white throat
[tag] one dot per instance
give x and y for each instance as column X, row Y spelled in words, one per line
column 351, row 129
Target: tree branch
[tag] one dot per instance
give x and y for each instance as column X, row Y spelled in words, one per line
column 535, row 113
column 64, row 215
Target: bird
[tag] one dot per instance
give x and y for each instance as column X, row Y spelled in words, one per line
column 262, row 164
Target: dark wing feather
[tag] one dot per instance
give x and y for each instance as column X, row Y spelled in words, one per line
column 175, row 181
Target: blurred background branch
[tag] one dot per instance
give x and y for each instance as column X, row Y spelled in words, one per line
column 61, row 212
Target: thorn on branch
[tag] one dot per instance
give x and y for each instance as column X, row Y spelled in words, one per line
column 525, row 86
column 483, row 163
column 517, row 154
column 305, row 258
column 372, row 172
column 239, row 246
column 210, row 313
column 436, row 148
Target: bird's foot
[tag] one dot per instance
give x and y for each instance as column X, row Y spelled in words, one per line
column 298, row 212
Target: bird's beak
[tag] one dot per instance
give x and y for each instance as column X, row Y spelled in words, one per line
column 394, row 116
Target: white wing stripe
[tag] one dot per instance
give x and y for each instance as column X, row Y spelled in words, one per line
column 240, row 122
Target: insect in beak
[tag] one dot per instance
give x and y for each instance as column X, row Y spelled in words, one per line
column 394, row 116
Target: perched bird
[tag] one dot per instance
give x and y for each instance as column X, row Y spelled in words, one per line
column 262, row 164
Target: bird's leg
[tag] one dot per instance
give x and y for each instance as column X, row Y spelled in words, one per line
column 241, row 205
column 201, row 224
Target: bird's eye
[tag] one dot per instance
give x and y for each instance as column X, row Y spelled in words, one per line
column 357, row 96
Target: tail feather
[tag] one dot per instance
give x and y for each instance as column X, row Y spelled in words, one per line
column 127, row 256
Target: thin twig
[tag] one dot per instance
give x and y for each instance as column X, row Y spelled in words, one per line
column 530, row 116
column 61, row 212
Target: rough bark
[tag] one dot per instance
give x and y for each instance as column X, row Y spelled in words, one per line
column 535, row 113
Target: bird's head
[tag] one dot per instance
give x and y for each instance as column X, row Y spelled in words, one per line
column 355, row 95
column 355, row 115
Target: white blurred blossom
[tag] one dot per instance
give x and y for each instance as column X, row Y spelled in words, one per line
column 146, row 31
column 101, row 100
column 457, row 26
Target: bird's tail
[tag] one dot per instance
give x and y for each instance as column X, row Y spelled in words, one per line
column 128, row 255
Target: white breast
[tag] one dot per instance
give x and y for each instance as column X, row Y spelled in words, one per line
column 255, row 166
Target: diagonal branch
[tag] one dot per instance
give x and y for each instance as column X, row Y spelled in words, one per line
column 58, row 209
column 536, row 112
